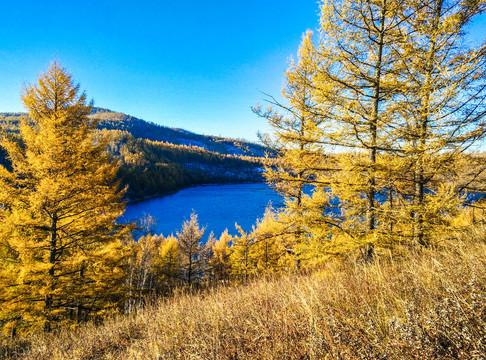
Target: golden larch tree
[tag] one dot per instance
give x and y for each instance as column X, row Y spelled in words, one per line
column 219, row 264
column 296, row 133
column 191, row 250
column 355, row 88
column 62, row 255
column 443, row 112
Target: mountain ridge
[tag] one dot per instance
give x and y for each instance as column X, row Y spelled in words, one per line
column 143, row 129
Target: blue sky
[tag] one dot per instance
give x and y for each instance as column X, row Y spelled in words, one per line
column 198, row 65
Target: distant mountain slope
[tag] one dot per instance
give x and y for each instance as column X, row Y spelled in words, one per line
column 10, row 121
column 142, row 129
column 147, row 130
column 151, row 168
column 156, row 160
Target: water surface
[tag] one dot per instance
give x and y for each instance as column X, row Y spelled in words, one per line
column 217, row 206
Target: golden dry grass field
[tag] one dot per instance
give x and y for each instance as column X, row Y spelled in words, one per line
column 428, row 305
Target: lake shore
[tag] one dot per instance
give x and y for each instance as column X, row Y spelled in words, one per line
column 172, row 192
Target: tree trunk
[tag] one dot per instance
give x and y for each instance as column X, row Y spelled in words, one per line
column 52, row 261
column 418, row 219
column 370, row 211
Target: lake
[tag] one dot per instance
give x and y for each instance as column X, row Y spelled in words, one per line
column 217, row 206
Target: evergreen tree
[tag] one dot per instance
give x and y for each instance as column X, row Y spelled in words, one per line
column 390, row 88
column 62, row 256
column 167, row 265
column 220, row 262
column 241, row 258
column 143, row 279
column 355, row 87
column 268, row 249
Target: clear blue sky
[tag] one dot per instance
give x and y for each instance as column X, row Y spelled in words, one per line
column 198, row 65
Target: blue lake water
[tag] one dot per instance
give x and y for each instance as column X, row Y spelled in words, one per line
column 217, row 206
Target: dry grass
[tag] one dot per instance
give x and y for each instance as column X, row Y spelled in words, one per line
column 431, row 306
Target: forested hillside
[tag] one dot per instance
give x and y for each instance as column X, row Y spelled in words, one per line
column 142, row 129
column 111, row 120
column 156, row 160
column 153, row 167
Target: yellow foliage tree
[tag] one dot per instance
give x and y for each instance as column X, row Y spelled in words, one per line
column 297, row 132
column 142, row 279
column 395, row 93
column 190, row 249
column 61, row 252
column 443, row 111
column 168, row 265
column 220, row 262
column 355, row 88
column 241, row 258
column 269, row 253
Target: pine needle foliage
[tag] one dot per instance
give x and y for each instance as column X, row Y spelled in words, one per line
column 296, row 133
column 442, row 111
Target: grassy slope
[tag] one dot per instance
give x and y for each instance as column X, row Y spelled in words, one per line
column 430, row 306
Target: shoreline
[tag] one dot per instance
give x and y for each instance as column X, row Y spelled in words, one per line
column 159, row 195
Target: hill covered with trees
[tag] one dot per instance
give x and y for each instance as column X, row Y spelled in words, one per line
column 142, row 129
column 153, row 168
column 156, row 160
column 138, row 128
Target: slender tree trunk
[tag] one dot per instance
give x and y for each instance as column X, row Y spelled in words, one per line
column 373, row 131
column 130, row 301
column 390, row 201
column 299, row 230
column 79, row 307
column 300, row 177
column 189, row 269
column 52, row 261
column 420, row 180
column 418, row 231
column 371, row 193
